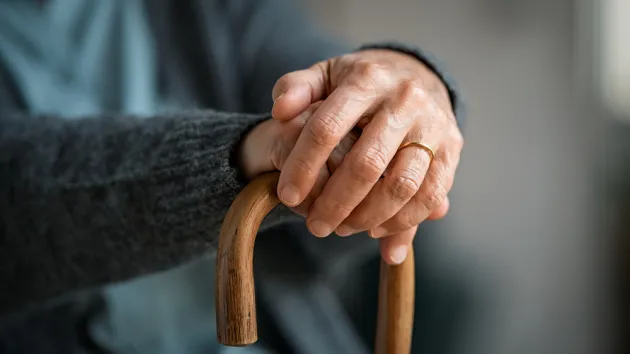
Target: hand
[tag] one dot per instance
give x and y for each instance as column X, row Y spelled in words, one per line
column 394, row 98
column 268, row 145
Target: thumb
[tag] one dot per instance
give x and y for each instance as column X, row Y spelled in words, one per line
column 295, row 91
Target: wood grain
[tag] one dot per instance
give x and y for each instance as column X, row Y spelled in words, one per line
column 235, row 298
column 396, row 300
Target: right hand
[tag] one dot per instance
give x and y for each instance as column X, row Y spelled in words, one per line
column 267, row 147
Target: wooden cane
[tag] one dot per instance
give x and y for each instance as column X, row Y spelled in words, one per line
column 235, row 298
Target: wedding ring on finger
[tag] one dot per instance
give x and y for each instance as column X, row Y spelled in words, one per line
column 421, row 146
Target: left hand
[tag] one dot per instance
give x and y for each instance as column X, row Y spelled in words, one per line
column 393, row 98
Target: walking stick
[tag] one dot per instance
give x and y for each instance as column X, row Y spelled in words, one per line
column 235, row 298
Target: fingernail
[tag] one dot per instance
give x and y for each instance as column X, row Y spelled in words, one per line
column 290, row 195
column 319, row 228
column 273, row 108
column 345, row 230
column 399, row 253
column 277, row 98
column 377, row 232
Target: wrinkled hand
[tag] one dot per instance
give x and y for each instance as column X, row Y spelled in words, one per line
column 394, row 99
column 267, row 147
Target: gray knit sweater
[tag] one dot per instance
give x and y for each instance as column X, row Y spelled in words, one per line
column 90, row 201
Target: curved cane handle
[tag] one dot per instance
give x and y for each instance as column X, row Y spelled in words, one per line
column 235, row 298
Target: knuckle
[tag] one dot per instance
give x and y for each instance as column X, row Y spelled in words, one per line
column 369, row 74
column 369, row 166
column 370, row 69
column 434, row 197
column 397, row 115
column 413, row 91
column 403, row 187
column 458, row 139
column 324, row 130
column 303, row 168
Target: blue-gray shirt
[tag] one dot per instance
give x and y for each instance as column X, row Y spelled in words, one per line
column 76, row 57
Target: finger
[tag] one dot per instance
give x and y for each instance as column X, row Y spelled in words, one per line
column 339, row 153
column 390, row 194
column 394, row 249
column 295, row 91
column 432, row 194
column 333, row 162
column 323, row 131
column 405, row 175
column 286, row 134
column 289, row 132
column 441, row 211
column 322, row 178
column 360, row 170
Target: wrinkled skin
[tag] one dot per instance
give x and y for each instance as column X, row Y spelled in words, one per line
column 346, row 182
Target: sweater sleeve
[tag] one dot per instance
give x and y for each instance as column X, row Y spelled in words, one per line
column 90, row 201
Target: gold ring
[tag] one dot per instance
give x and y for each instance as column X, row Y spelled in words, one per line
column 421, row 146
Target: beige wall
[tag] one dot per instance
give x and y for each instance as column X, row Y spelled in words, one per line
column 519, row 223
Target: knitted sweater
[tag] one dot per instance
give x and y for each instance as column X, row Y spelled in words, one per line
column 89, row 201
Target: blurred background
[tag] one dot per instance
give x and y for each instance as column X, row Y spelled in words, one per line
column 542, row 183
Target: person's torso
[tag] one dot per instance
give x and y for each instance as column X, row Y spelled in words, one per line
column 80, row 58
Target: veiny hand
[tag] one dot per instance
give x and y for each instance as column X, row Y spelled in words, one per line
column 395, row 99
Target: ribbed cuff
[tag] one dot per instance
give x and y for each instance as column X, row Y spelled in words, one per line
column 432, row 63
